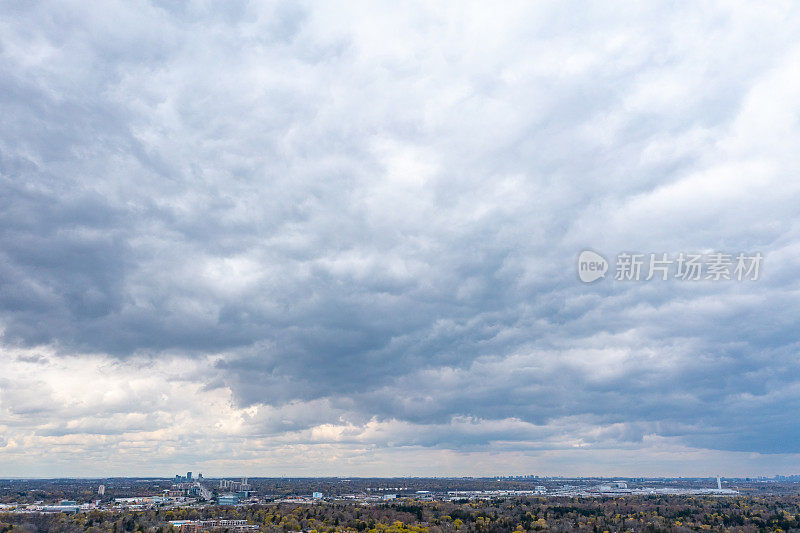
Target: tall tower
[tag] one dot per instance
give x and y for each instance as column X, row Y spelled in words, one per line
column 719, row 483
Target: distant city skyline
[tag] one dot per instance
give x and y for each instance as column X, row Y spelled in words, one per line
column 310, row 239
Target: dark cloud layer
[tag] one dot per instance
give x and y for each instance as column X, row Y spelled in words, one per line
column 381, row 211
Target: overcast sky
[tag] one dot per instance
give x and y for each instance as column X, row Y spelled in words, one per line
column 283, row 238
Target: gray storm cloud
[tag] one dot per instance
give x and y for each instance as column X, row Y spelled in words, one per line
column 376, row 211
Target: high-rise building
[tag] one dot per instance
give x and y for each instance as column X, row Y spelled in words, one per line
column 188, row 476
column 101, row 490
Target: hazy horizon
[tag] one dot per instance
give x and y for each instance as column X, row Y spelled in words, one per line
column 343, row 477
